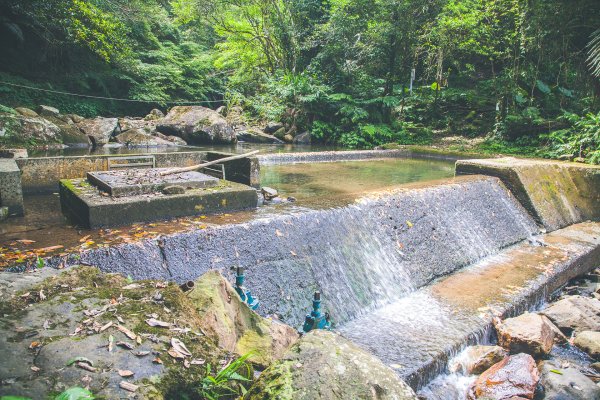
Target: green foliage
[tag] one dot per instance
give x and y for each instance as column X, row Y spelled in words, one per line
column 75, row 393
column 581, row 139
column 229, row 381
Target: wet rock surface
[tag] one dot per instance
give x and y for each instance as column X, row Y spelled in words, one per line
column 138, row 138
column 565, row 383
column 574, row 314
column 99, row 130
column 515, row 376
column 477, row 359
column 589, row 341
column 528, row 333
column 323, row 365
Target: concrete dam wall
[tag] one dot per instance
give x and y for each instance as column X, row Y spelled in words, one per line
column 360, row 257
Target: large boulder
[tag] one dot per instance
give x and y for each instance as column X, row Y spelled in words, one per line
column 566, row 383
column 575, row 314
column 16, row 128
column 273, row 127
column 324, row 365
column 99, row 129
column 528, row 333
column 253, row 135
column 47, row 111
column 154, row 114
column 234, row 326
column 589, row 342
column 139, row 138
column 26, row 112
column 515, row 376
column 197, row 125
column 476, row 359
column 176, row 140
column 69, row 132
column 302, row 138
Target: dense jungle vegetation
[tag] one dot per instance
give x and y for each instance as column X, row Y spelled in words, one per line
column 522, row 74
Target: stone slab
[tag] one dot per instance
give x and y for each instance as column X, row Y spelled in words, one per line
column 11, row 194
column 556, row 194
column 136, row 181
column 418, row 334
column 84, row 203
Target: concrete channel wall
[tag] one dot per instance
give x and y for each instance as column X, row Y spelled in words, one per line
column 358, row 256
column 39, row 175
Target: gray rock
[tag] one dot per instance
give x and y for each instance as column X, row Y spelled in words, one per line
column 566, row 383
column 269, row 193
column 154, row 114
column 99, row 129
column 324, row 365
column 47, row 111
column 197, row 125
column 575, row 314
column 476, row 359
column 69, row 132
column 288, row 138
column 272, row 127
column 253, row 135
column 26, row 112
column 280, row 133
column 173, row 139
column 303, row 138
column 528, row 333
column 589, row 342
column 75, row 118
column 20, row 129
column 138, row 138
column 173, row 189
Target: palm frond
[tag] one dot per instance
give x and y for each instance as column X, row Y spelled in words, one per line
column 594, row 53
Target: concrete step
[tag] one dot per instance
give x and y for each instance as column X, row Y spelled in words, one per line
column 419, row 333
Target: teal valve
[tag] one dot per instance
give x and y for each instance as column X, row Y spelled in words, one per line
column 316, row 320
column 244, row 293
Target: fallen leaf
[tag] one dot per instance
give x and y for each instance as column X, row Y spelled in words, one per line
column 278, row 232
column 175, row 354
column 179, row 346
column 125, row 373
column 186, row 363
column 132, row 286
column 155, row 322
column 410, row 224
column 157, row 361
column 35, row 369
column 106, row 326
column 81, row 360
column 83, row 239
column 141, row 353
column 111, row 340
column 556, row 371
column 128, row 386
column 86, row 366
column 42, row 295
column 127, row 332
column 197, row 361
column 46, row 324
column 126, row 345
column 34, row 345
column 26, row 241
column 293, row 253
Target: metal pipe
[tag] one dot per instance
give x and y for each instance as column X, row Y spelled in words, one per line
column 187, row 286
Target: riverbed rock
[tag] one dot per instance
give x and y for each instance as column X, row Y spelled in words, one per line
column 75, row 118
column 272, row 127
column 575, row 314
column 16, row 128
column 288, row 138
column 99, row 130
column 177, row 141
column 70, row 133
column 269, row 193
column 589, row 341
column 253, row 135
column 197, row 125
column 154, row 114
column 280, row 133
column 47, row 111
column 528, row 333
column 324, row 365
column 302, row 138
column 515, row 376
column 476, row 359
column 566, row 383
column 234, row 326
column 139, row 138
column 26, row 112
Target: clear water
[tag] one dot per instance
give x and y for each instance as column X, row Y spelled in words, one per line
column 338, row 183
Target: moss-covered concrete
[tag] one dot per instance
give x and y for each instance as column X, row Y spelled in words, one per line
column 86, row 205
column 556, row 194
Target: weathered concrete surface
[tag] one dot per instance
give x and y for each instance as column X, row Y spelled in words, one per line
column 11, row 194
column 84, row 203
column 421, row 332
column 380, row 248
column 323, row 365
column 135, row 181
column 557, row 194
column 42, row 174
column 350, row 155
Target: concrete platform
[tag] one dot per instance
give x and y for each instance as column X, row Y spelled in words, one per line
column 555, row 193
column 11, row 194
column 87, row 206
column 418, row 334
column 132, row 182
